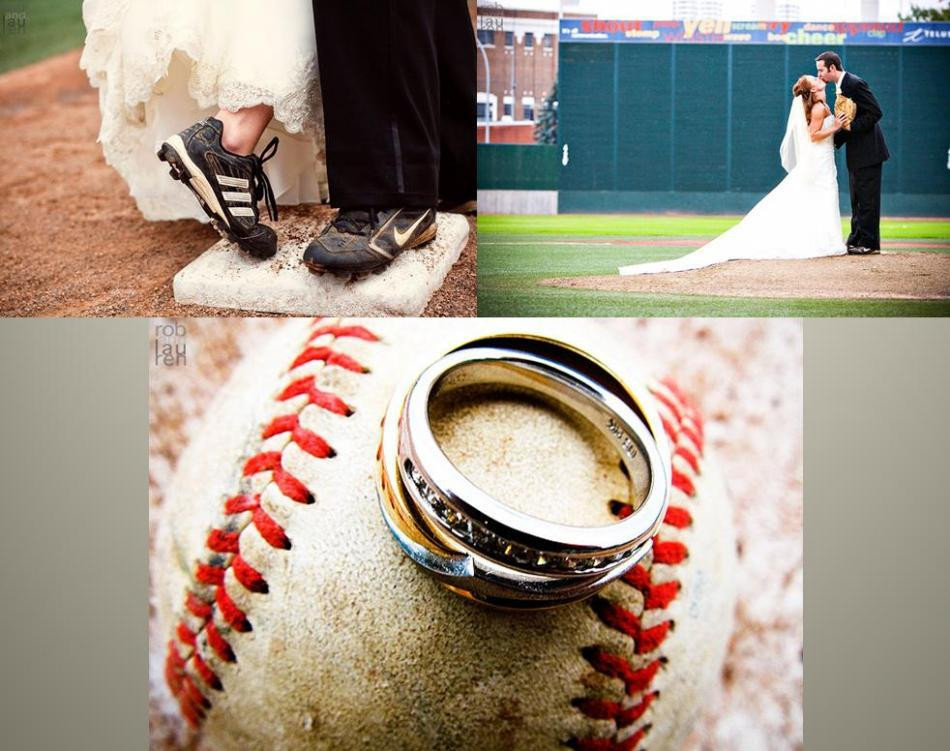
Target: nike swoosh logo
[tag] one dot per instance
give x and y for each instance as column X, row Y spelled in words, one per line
column 372, row 243
column 403, row 237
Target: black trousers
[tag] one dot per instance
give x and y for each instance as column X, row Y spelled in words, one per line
column 398, row 82
column 865, row 185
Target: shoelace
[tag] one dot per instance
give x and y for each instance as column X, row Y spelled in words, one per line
column 353, row 221
column 262, row 186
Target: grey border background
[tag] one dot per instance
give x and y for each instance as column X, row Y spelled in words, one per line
column 73, row 532
column 877, row 661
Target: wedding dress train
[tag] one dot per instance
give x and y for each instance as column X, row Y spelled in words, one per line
column 800, row 218
column 161, row 66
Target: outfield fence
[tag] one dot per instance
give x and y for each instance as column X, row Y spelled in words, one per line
column 664, row 126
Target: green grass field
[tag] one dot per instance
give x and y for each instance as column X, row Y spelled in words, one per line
column 511, row 261
column 36, row 29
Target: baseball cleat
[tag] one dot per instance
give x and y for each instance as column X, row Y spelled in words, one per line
column 228, row 186
column 360, row 241
column 858, row 250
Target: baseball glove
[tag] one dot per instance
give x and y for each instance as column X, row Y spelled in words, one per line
column 847, row 107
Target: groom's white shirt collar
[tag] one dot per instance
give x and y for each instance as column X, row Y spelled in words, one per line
column 838, row 82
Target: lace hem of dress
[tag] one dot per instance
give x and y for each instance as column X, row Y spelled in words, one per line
column 131, row 83
column 128, row 82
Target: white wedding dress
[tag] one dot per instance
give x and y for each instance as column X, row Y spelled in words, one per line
column 800, row 218
column 161, row 65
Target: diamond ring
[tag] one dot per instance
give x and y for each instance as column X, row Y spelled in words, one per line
column 476, row 544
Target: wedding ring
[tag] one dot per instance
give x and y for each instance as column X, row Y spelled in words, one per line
column 483, row 548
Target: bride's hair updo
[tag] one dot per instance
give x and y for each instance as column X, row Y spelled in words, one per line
column 802, row 88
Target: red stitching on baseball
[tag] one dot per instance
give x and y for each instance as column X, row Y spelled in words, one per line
column 197, row 606
column 191, row 713
column 175, row 677
column 654, row 595
column 330, row 357
column 616, row 666
column 194, row 694
column 687, row 455
column 683, row 483
column 689, row 411
column 339, row 332
column 218, row 643
column 627, row 622
column 265, row 462
column 669, row 551
column 185, row 635
column 677, row 516
column 206, row 673
column 683, row 426
column 620, row 509
column 240, row 503
column 609, row 744
column 322, row 399
column 306, row 439
column 208, row 574
column 173, row 667
column 289, row 485
column 251, row 579
column 669, row 401
column 231, row 612
column 270, row 530
column 603, row 709
column 223, row 543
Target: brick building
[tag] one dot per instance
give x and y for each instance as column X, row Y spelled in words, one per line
column 521, row 50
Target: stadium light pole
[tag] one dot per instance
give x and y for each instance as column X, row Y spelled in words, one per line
column 514, row 62
column 481, row 48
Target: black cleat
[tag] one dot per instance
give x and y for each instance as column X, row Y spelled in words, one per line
column 360, row 241
column 859, row 250
column 228, row 186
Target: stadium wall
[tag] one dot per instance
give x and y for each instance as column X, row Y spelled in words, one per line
column 697, row 127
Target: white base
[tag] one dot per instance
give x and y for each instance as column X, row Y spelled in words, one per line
column 224, row 277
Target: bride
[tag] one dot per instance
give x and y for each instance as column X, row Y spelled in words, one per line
column 800, row 218
column 162, row 66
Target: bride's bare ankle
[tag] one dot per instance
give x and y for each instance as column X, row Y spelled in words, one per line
column 244, row 128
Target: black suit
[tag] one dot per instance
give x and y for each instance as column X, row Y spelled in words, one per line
column 866, row 152
column 398, row 83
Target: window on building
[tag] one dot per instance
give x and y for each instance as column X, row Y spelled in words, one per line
column 527, row 108
column 487, row 37
column 529, row 40
column 508, row 108
column 509, row 39
column 548, row 40
column 491, row 106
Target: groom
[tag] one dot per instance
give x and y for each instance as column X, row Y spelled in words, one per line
column 866, row 154
column 398, row 86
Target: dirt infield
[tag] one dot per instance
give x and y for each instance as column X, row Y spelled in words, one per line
column 888, row 276
column 73, row 242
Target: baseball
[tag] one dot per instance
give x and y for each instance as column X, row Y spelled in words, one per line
column 290, row 618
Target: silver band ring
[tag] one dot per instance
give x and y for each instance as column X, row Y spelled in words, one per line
column 483, row 548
